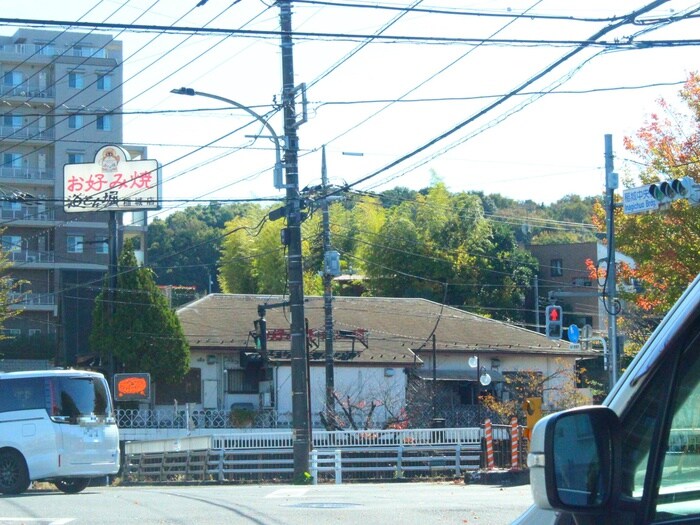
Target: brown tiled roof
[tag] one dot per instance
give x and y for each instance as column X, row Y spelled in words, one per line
column 395, row 328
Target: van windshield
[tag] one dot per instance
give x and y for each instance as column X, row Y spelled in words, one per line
column 73, row 397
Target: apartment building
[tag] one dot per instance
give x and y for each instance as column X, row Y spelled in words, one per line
column 58, row 93
column 563, row 268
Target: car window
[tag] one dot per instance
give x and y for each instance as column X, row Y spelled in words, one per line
column 679, row 488
column 22, row 394
column 638, row 426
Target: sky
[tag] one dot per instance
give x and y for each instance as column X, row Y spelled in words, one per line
column 372, row 101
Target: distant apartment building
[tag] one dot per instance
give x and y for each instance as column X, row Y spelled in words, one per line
column 563, row 268
column 58, row 94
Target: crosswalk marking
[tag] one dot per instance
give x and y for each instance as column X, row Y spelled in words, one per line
column 38, row 521
column 288, row 493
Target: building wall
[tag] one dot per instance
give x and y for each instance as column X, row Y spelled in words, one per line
column 559, row 368
column 43, row 61
column 563, row 268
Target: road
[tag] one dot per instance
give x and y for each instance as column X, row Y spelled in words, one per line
column 364, row 504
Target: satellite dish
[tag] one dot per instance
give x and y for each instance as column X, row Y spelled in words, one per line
column 473, row 361
column 485, row 379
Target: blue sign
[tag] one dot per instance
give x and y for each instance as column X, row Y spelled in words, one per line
column 573, row 333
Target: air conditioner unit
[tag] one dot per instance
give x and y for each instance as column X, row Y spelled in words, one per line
column 266, row 400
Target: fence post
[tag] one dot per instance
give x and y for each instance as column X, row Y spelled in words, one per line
column 514, row 445
column 458, row 459
column 221, row 465
column 338, row 467
column 488, row 430
column 314, row 467
column 399, row 461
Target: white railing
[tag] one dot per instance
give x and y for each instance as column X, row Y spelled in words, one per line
column 200, row 460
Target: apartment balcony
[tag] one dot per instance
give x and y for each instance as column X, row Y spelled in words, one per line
column 27, row 214
column 32, row 301
column 27, row 91
column 27, row 174
column 26, row 133
column 26, row 258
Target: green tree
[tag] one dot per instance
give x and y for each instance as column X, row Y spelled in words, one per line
column 184, row 248
column 135, row 325
column 10, row 347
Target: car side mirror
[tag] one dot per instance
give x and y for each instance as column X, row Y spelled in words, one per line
column 574, row 460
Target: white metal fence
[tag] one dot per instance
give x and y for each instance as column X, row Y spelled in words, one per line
column 352, row 455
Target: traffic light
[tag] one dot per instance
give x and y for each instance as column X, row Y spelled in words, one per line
column 260, row 334
column 685, row 188
column 553, row 324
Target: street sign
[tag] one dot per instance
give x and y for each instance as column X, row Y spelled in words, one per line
column 638, row 200
column 573, row 333
column 587, row 331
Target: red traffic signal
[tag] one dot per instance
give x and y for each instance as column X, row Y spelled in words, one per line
column 553, row 324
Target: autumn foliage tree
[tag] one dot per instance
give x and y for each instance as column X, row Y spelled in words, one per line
column 664, row 244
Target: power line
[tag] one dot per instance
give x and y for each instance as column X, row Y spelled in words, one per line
column 301, row 35
column 627, row 19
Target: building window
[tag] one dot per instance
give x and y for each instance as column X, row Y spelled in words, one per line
column 104, row 82
column 556, row 267
column 13, row 121
column 76, row 80
column 11, row 332
column 12, row 78
column 189, row 390
column 242, row 381
column 104, row 122
column 76, row 158
column 75, row 121
column 34, row 332
column 75, row 244
column 46, row 49
column 12, row 243
column 15, row 206
column 11, row 160
column 101, row 247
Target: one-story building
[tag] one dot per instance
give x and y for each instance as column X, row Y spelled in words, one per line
column 381, row 347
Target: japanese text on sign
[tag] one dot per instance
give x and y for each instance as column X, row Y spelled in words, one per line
column 112, row 182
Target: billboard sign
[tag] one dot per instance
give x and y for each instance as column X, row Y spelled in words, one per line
column 113, row 182
column 132, row 387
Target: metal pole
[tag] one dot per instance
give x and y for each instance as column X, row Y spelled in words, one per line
column 300, row 402
column 327, row 296
column 113, row 263
column 434, row 377
column 610, row 185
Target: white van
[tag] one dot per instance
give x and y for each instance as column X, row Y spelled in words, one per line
column 56, row 426
column 635, row 459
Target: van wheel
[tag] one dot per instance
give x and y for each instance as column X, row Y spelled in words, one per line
column 14, row 477
column 71, row 485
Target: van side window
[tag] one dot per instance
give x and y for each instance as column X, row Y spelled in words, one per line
column 638, row 429
column 22, row 394
column 678, row 472
column 74, row 397
column 679, row 488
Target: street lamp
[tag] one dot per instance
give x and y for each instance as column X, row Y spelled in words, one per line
column 483, row 376
column 277, row 173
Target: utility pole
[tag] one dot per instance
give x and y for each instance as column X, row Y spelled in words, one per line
column 611, row 183
column 300, row 401
column 327, row 295
column 113, row 264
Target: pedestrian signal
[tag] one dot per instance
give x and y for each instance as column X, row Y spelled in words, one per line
column 553, row 324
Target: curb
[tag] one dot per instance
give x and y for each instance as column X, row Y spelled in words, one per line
column 497, row 477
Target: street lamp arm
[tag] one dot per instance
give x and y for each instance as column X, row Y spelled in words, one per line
column 278, row 157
